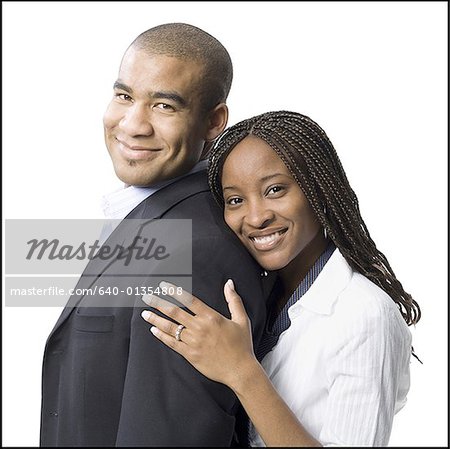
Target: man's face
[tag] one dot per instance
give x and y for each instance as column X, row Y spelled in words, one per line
column 154, row 127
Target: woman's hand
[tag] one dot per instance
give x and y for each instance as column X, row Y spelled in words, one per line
column 221, row 349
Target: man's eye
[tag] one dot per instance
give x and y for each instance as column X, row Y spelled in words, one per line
column 123, row 97
column 164, row 107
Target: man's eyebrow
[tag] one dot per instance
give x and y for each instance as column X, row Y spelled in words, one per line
column 162, row 95
column 121, row 86
column 173, row 96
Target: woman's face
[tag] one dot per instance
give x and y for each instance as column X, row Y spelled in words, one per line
column 265, row 206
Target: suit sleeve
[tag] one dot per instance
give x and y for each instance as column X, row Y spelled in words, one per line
column 166, row 401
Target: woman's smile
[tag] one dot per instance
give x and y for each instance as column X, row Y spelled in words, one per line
column 264, row 205
column 268, row 239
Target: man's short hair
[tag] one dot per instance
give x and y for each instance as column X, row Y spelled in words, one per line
column 188, row 42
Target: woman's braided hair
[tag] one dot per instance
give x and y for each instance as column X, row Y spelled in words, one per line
column 312, row 160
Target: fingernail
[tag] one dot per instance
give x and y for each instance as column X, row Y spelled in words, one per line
column 230, row 284
column 164, row 284
column 145, row 314
column 154, row 330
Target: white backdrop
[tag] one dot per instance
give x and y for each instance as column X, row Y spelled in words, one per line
column 372, row 74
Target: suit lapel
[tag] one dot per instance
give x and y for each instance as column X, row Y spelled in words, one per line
column 151, row 208
column 166, row 198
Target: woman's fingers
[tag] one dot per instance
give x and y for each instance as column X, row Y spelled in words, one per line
column 235, row 305
column 171, row 342
column 169, row 309
column 213, row 344
column 184, row 297
column 166, row 326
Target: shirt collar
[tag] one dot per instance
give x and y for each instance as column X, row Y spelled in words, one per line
column 120, row 202
column 323, row 293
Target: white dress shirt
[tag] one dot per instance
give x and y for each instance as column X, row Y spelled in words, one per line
column 120, row 202
column 343, row 364
column 117, row 204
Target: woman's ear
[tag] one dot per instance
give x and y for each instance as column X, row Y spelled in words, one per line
column 217, row 121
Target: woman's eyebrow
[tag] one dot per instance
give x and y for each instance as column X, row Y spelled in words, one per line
column 263, row 179
column 274, row 175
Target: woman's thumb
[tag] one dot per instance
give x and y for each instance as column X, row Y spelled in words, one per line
column 234, row 302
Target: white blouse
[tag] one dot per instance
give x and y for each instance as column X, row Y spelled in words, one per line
column 343, row 364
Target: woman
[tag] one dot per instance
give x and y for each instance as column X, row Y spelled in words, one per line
column 339, row 370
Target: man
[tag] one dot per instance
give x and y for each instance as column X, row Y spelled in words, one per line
column 106, row 380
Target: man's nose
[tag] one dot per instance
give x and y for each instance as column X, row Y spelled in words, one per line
column 259, row 215
column 137, row 122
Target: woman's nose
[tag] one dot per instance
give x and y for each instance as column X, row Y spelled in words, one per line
column 259, row 215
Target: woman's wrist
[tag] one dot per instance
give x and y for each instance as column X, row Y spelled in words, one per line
column 249, row 371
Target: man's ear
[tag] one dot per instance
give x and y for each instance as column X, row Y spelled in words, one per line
column 217, row 120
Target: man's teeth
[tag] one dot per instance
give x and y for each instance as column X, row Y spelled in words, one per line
column 267, row 238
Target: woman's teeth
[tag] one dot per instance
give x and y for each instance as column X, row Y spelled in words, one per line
column 267, row 240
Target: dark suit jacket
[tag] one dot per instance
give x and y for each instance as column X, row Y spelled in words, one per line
column 107, row 381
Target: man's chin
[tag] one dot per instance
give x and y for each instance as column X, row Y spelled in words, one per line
column 137, row 179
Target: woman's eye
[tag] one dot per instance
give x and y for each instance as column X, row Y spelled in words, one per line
column 234, row 201
column 275, row 189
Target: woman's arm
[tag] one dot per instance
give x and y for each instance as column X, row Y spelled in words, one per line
column 222, row 350
column 273, row 419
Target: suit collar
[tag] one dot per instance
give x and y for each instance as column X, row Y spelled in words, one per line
column 167, row 197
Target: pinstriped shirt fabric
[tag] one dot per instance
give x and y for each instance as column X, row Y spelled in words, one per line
column 342, row 366
column 282, row 322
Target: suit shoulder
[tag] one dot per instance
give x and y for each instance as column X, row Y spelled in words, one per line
column 205, row 213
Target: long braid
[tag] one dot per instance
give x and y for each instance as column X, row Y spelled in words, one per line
column 312, row 160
